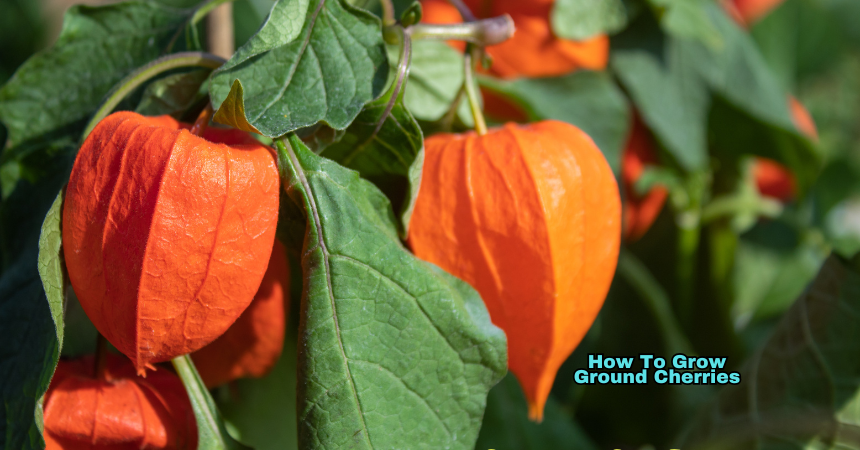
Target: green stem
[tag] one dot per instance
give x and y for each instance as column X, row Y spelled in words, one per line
column 657, row 301
column 689, row 227
column 205, row 9
column 387, row 12
column 146, row 73
column 483, row 32
column 729, row 206
column 210, row 426
column 472, row 92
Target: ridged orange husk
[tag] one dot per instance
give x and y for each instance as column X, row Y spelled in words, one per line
column 529, row 215
column 533, row 51
column 252, row 346
column 166, row 235
column 640, row 211
column 120, row 412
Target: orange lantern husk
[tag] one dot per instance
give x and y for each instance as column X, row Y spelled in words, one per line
column 529, row 215
column 167, row 235
column 118, row 410
column 533, row 51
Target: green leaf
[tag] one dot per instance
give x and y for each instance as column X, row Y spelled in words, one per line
column 672, row 101
column 172, row 94
column 801, row 390
column 51, row 264
column 403, row 352
column 688, row 19
column 30, row 340
column 310, row 62
column 97, row 48
column 583, row 19
column 211, row 433
column 589, row 100
column 385, row 146
column 435, row 78
column 772, row 267
column 506, row 423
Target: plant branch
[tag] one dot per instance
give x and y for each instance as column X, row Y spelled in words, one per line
column 146, row 73
column 202, row 122
column 492, row 31
column 472, row 91
column 387, row 12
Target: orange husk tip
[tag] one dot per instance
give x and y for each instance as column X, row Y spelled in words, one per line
column 640, row 211
column 253, row 344
column 118, row 411
column 533, row 51
column 167, row 235
column 530, row 216
column 747, row 12
column 773, row 179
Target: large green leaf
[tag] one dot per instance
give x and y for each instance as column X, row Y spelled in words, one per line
column 30, row 338
column 589, row 100
column 391, row 349
column 801, row 390
column 311, row 62
column 671, row 99
column 98, row 46
column 583, row 19
column 385, row 145
column 435, row 78
column 506, row 423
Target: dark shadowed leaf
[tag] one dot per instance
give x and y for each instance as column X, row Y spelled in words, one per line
column 506, row 423
column 97, row 48
column 387, row 148
column 671, row 99
column 311, row 62
column 172, row 94
column 801, row 390
column 404, row 352
column 30, row 340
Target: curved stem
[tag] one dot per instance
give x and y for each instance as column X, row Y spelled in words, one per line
column 492, row 31
column 205, row 9
column 464, row 10
column 402, row 75
column 472, row 92
column 202, row 122
column 387, row 12
column 147, row 72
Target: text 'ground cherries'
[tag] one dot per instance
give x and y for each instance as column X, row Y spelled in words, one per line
column 530, row 216
column 116, row 409
column 167, row 235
